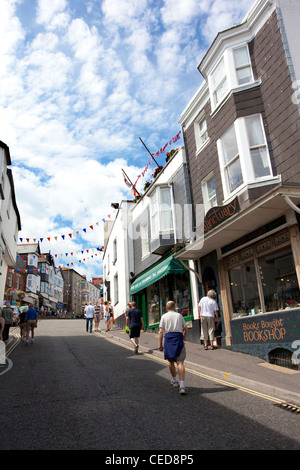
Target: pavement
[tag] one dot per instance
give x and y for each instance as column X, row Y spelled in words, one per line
column 238, row 370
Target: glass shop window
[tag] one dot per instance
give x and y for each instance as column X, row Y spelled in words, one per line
column 244, row 290
column 279, row 280
column 153, row 303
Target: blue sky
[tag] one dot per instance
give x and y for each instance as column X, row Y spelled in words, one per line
column 80, row 82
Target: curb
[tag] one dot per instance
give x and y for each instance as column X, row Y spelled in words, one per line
column 270, row 392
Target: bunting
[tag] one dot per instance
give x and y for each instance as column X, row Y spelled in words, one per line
column 162, row 150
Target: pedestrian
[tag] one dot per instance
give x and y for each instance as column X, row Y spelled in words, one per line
column 2, row 324
column 89, row 316
column 97, row 316
column 111, row 315
column 7, row 315
column 209, row 313
column 31, row 319
column 106, row 315
column 22, row 323
column 173, row 330
column 135, row 321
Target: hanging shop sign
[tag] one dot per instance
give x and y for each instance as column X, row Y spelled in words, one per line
column 280, row 327
column 219, row 214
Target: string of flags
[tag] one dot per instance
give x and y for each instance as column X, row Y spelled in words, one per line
column 162, row 150
column 67, row 236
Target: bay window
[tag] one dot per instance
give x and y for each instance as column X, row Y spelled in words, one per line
column 161, row 211
column 243, row 154
column 233, row 71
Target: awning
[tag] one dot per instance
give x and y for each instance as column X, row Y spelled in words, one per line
column 168, row 266
column 262, row 211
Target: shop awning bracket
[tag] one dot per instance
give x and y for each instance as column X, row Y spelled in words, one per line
column 291, row 204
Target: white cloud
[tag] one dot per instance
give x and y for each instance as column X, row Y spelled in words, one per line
column 51, row 14
column 79, row 87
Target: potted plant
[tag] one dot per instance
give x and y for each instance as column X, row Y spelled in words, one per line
column 157, row 171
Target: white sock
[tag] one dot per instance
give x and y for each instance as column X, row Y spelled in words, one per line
column 181, row 383
column 174, row 379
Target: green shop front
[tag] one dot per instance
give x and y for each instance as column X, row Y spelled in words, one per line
column 166, row 280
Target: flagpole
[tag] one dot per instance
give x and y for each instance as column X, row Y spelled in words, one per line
column 149, row 151
column 130, row 182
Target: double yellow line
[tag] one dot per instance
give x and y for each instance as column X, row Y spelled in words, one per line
column 205, row 376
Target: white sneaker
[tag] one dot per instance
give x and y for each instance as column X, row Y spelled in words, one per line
column 174, row 384
column 182, row 391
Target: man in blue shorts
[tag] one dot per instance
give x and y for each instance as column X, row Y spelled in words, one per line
column 135, row 321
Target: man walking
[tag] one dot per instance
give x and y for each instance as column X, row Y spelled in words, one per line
column 31, row 323
column 209, row 313
column 89, row 316
column 135, row 321
column 173, row 330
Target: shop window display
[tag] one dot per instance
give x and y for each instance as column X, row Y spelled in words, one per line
column 172, row 287
column 276, row 274
column 279, row 280
column 244, row 290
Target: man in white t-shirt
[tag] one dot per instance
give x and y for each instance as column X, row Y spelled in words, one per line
column 173, row 329
column 89, row 316
column 208, row 310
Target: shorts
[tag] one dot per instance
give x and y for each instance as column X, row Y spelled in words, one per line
column 30, row 324
column 97, row 318
column 106, row 318
column 181, row 357
column 135, row 332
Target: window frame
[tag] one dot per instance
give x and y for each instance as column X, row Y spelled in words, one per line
column 208, row 201
column 201, row 135
column 156, row 229
column 244, row 155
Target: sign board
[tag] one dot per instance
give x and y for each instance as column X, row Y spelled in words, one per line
column 219, row 214
column 279, row 327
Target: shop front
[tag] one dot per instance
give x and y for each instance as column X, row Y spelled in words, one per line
column 167, row 280
column 259, row 275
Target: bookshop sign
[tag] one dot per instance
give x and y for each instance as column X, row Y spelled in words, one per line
column 279, row 327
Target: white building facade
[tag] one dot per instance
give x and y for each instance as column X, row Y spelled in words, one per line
column 10, row 222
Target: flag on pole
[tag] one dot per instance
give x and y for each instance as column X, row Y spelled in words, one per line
column 126, row 179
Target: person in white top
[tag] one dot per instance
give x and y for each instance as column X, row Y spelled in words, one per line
column 208, row 310
column 173, row 330
column 89, row 315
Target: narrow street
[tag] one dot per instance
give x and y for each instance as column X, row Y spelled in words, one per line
column 73, row 390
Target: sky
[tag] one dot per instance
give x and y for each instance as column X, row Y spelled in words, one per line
column 81, row 82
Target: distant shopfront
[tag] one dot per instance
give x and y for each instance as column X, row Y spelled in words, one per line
column 167, row 280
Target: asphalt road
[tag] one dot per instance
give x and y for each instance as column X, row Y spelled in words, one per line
column 73, row 390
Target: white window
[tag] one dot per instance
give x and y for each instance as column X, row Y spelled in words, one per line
column 114, row 251
column 243, row 154
column 231, row 160
column 161, row 211
column 33, row 260
column 219, row 82
column 242, row 65
column 258, row 147
column 232, row 71
column 201, row 134
column 209, row 192
column 144, row 239
column 116, row 289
